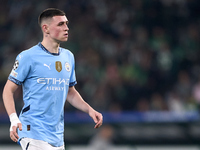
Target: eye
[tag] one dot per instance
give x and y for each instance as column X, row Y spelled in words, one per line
column 61, row 23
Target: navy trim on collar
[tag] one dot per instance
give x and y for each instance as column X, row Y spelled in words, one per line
column 43, row 48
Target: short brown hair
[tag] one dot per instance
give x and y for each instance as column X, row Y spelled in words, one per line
column 49, row 13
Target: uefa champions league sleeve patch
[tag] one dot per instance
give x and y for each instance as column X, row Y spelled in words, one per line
column 14, row 74
column 16, row 64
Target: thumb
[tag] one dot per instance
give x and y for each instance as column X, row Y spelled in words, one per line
column 20, row 126
column 95, row 119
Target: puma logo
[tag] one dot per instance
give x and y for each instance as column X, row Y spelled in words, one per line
column 48, row 66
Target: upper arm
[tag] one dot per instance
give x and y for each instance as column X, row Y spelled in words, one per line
column 10, row 87
column 70, row 92
column 21, row 68
column 73, row 74
column 8, row 96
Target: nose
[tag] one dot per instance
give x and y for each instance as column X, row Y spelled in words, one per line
column 66, row 28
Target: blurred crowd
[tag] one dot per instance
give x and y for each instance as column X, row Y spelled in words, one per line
column 131, row 55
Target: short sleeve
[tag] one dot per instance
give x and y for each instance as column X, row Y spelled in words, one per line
column 20, row 69
column 73, row 75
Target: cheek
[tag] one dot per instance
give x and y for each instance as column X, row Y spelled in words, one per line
column 55, row 32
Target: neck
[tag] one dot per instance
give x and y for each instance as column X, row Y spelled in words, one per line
column 51, row 46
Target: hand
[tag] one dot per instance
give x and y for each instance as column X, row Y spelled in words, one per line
column 13, row 131
column 97, row 117
column 15, row 123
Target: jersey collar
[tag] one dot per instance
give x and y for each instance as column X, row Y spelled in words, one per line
column 43, row 48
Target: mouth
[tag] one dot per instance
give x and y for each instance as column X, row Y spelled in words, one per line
column 66, row 35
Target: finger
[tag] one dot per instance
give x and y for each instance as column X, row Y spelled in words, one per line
column 100, row 121
column 97, row 125
column 12, row 136
column 95, row 119
column 15, row 132
column 20, row 126
column 99, row 118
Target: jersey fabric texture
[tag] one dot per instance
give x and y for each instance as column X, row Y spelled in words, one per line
column 45, row 78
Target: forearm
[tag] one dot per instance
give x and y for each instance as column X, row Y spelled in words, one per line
column 8, row 98
column 9, row 102
column 75, row 99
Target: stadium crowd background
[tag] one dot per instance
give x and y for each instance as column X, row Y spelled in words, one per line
column 131, row 55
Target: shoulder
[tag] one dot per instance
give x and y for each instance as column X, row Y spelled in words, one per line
column 67, row 52
column 27, row 54
column 64, row 50
column 30, row 51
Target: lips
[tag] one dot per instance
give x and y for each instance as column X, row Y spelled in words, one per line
column 66, row 35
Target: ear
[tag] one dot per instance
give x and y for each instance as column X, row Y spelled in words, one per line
column 45, row 28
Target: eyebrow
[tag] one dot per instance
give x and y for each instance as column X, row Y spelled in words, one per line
column 62, row 22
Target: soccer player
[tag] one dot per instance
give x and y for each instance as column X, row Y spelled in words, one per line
column 46, row 73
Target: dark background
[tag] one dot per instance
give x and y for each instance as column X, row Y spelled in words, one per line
column 133, row 57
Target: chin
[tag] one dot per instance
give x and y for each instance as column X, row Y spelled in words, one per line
column 63, row 40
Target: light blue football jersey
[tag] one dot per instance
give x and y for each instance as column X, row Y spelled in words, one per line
column 45, row 79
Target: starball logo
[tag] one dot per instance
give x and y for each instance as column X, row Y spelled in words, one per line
column 53, row 83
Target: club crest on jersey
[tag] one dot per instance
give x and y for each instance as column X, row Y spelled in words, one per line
column 67, row 66
column 58, row 66
column 16, row 64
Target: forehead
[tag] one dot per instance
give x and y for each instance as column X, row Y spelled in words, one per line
column 57, row 19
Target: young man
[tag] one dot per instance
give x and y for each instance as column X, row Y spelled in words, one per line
column 46, row 73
